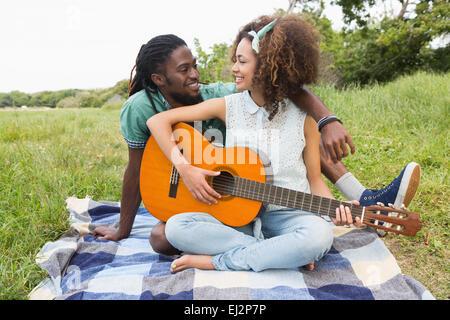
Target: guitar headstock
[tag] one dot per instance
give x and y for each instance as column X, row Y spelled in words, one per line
column 398, row 220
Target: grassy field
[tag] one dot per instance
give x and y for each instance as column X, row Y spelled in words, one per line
column 47, row 156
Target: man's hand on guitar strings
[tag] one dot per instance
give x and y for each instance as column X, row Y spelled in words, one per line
column 195, row 180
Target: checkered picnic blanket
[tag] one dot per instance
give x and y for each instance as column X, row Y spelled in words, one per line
column 359, row 266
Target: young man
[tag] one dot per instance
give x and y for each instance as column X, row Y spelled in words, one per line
column 167, row 77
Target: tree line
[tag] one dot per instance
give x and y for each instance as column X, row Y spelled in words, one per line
column 70, row 98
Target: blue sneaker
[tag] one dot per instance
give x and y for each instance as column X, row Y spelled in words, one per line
column 400, row 191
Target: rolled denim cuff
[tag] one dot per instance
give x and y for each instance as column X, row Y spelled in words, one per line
column 218, row 264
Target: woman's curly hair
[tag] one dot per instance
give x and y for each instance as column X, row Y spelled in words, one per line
column 288, row 57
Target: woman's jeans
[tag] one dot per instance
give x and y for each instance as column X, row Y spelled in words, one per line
column 292, row 238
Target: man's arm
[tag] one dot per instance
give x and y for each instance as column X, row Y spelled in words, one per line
column 130, row 201
column 334, row 136
column 312, row 104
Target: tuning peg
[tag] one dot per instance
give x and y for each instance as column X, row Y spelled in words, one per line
column 403, row 207
column 391, row 205
column 381, row 204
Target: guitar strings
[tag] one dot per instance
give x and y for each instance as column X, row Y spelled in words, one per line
column 252, row 192
column 223, row 187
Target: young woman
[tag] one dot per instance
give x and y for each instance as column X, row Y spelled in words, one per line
column 273, row 58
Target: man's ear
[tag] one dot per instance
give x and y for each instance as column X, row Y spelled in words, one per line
column 158, row 79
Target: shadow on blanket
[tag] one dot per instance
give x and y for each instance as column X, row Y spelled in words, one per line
column 359, row 266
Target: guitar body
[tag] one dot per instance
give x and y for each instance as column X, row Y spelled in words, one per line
column 164, row 193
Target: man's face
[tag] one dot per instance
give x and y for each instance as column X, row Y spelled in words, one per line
column 181, row 77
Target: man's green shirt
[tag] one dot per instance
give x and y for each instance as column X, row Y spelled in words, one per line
column 138, row 109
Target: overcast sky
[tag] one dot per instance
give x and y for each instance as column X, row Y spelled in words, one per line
column 85, row 44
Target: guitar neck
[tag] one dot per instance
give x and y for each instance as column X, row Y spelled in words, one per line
column 263, row 192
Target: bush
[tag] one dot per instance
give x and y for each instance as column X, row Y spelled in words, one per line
column 69, row 102
column 115, row 102
column 214, row 66
column 5, row 100
column 90, row 101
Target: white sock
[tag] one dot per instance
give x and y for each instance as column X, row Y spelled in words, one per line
column 350, row 187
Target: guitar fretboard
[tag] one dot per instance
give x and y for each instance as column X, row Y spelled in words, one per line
column 259, row 191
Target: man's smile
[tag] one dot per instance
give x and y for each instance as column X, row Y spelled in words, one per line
column 193, row 86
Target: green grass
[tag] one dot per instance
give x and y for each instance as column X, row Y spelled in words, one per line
column 391, row 125
column 47, row 156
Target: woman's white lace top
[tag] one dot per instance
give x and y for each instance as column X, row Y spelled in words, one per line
column 281, row 140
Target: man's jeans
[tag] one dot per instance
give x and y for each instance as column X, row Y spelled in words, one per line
column 292, row 238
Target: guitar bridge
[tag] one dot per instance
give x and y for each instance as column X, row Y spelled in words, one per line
column 174, row 180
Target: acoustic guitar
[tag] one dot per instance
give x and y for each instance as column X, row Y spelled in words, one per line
column 244, row 183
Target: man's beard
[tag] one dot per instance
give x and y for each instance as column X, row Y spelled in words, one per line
column 186, row 99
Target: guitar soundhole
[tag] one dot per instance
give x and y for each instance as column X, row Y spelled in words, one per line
column 223, row 183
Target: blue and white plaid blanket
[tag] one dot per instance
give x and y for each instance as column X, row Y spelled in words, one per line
column 359, row 266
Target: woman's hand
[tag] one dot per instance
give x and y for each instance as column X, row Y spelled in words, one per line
column 344, row 216
column 195, row 180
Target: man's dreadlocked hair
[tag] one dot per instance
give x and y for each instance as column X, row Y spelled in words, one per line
column 152, row 56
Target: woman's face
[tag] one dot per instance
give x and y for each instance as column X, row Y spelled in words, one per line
column 245, row 65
